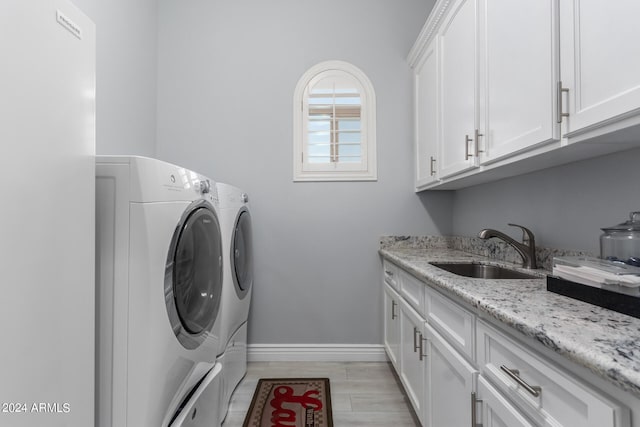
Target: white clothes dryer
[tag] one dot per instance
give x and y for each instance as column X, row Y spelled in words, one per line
column 237, row 246
column 158, row 292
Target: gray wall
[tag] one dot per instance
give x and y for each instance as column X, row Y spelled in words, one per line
column 564, row 206
column 226, row 76
column 126, row 39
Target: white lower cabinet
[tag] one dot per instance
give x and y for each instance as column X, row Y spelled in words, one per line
column 413, row 361
column 458, row 370
column 450, row 382
column 544, row 392
column 495, row 409
column 454, row 323
column 392, row 325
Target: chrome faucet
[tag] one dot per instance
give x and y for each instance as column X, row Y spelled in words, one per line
column 526, row 249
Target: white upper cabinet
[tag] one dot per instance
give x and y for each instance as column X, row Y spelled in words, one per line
column 600, row 66
column 518, row 76
column 518, row 83
column 426, row 116
column 457, row 43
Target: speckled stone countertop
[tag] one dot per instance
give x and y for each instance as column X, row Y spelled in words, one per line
column 603, row 341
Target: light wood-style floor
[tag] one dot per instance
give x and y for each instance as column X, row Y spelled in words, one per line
column 362, row 394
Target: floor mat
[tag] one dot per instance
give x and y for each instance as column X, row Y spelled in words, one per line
column 299, row 402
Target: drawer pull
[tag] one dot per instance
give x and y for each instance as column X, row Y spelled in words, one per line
column 474, row 411
column 393, row 309
column 415, row 339
column 422, row 354
column 534, row 390
column 559, row 93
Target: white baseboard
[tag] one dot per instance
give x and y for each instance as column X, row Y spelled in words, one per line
column 316, row 353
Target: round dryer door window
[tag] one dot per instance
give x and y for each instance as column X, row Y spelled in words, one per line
column 242, row 254
column 193, row 275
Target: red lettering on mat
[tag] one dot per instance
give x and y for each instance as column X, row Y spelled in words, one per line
column 283, row 417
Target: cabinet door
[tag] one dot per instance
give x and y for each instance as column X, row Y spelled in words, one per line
column 600, row 59
column 392, row 325
column 496, row 410
column 412, row 365
column 518, row 76
column 457, row 49
column 449, row 383
column 560, row 399
column 426, row 119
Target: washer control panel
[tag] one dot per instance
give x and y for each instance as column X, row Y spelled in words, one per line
column 205, row 186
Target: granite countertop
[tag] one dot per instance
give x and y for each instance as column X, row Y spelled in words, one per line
column 603, row 341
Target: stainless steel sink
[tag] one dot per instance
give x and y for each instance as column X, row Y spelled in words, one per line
column 481, row 271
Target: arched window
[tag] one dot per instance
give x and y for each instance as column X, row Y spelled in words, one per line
column 334, row 124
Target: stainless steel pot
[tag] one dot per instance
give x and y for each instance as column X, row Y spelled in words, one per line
column 622, row 242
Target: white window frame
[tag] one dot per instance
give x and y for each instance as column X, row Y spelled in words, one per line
column 365, row 171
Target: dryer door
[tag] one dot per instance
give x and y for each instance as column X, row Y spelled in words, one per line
column 193, row 274
column 242, row 253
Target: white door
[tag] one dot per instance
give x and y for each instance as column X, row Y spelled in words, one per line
column 496, row 410
column 413, row 362
column 450, row 382
column 518, row 75
column 600, row 60
column 47, row 242
column 427, row 115
column 458, row 102
column 392, row 325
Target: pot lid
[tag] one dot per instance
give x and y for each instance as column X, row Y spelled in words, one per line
column 633, row 224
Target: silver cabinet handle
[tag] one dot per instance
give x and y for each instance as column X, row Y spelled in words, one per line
column 514, row 374
column 415, row 339
column 388, row 277
column 474, row 410
column 393, row 309
column 559, row 93
column 477, row 137
column 433, row 171
column 467, row 140
column 422, row 340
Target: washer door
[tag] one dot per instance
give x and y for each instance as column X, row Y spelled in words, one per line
column 242, row 253
column 193, row 274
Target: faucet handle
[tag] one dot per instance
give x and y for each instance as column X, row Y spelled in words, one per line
column 527, row 235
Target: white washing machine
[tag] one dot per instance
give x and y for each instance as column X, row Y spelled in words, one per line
column 158, row 292
column 237, row 246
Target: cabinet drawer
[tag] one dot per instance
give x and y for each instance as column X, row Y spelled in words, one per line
column 412, row 290
column 453, row 322
column 390, row 273
column 549, row 395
